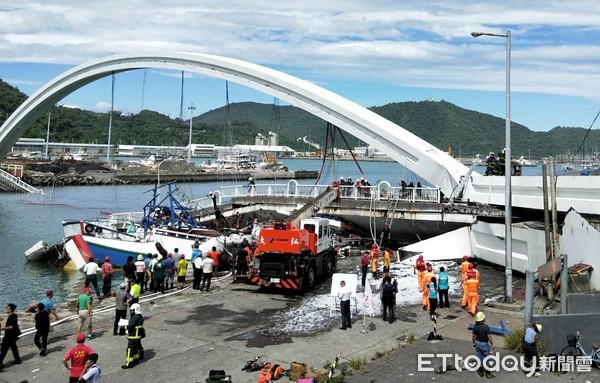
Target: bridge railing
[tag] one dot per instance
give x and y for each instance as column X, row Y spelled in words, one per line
column 382, row 191
column 16, row 182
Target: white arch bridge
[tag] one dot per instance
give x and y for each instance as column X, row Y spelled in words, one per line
column 419, row 156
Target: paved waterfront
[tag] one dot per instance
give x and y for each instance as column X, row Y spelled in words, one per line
column 193, row 332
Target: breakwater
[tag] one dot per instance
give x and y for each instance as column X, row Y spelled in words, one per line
column 108, row 178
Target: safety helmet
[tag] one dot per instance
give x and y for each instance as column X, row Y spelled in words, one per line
column 374, row 246
column 465, row 257
column 250, row 179
column 136, row 308
column 480, row 317
column 160, row 257
column 341, row 178
column 471, row 266
column 420, row 257
column 538, row 328
column 140, row 257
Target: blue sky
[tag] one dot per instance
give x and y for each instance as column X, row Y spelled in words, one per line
column 371, row 52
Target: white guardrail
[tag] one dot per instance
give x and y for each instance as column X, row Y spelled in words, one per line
column 17, row 182
column 383, row 191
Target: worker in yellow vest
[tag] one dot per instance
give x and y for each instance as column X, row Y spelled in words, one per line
column 427, row 275
column 420, row 268
column 464, row 267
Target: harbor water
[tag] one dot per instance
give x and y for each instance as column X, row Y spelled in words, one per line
column 27, row 219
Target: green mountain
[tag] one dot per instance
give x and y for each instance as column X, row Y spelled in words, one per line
column 443, row 124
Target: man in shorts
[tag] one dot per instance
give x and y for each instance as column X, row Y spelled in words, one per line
column 84, row 305
column 181, row 271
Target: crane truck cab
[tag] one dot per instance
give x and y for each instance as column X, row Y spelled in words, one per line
column 293, row 258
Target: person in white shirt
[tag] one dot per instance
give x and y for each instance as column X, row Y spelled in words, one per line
column 344, row 297
column 207, row 270
column 91, row 275
column 91, row 372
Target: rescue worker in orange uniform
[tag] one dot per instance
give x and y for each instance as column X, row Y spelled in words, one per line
column 374, row 259
column 464, row 267
column 427, row 275
column 387, row 260
column 472, row 285
column 420, row 268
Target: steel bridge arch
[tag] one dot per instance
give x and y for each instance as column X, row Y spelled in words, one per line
column 416, row 154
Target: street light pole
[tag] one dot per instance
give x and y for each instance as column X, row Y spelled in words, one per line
column 191, row 108
column 48, row 134
column 507, row 172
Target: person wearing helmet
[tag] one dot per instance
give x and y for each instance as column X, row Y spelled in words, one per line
column 530, row 348
column 374, row 255
column 107, row 273
column 419, row 269
column 483, row 343
column 472, row 287
column 182, row 265
column 140, row 272
column 464, row 267
column 135, row 333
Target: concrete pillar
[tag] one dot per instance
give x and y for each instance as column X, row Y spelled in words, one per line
column 529, row 295
column 564, row 284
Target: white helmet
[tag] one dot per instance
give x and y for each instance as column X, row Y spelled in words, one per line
column 136, row 308
column 250, row 179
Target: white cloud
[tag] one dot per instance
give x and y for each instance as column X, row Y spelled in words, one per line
column 555, row 44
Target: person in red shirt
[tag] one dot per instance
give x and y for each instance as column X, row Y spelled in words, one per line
column 107, row 273
column 78, row 355
column 215, row 255
column 364, row 266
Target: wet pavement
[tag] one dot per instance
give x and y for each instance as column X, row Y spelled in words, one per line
column 191, row 332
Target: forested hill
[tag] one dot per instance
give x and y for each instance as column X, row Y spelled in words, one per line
column 443, row 124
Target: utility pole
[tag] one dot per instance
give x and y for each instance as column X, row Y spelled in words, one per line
column 191, row 109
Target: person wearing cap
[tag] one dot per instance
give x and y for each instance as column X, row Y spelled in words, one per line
column 49, row 304
column 120, row 308
column 207, row 266
column 140, row 272
column 84, row 305
column 530, row 348
column 135, row 333
column 91, row 275
column 107, row 273
column 77, row 356
column 170, row 266
column 182, row 265
column 159, row 275
column 91, row 372
column 483, row 343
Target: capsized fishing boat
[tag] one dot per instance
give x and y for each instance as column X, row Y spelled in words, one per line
column 37, row 251
column 164, row 225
